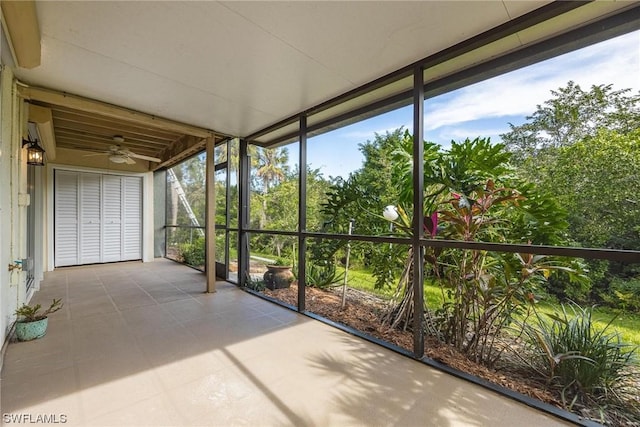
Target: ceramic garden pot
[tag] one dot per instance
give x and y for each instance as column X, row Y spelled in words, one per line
column 278, row 276
column 27, row 331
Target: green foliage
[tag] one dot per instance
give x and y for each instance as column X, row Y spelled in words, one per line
column 573, row 115
column 476, row 196
column 282, row 262
column 484, row 290
column 191, row 176
column 323, row 275
column 624, row 293
column 193, row 253
column 31, row 313
column 597, row 178
column 583, row 147
column 569, row 352
column 362, row 196
column 254, row 284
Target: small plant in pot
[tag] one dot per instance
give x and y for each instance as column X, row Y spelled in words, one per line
column 32, row 323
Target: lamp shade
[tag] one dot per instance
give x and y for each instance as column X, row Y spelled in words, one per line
column 117, row 158
column 390, row 213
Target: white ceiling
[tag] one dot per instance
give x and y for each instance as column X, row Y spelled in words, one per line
column 237, row 67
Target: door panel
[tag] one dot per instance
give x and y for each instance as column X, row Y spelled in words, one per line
column 90, row 218
column 112, row 218
column 132, row 190
column 66, row 219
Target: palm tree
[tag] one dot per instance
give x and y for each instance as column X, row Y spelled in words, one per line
column 271, row 169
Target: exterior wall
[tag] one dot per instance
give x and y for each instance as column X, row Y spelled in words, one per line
column 13, row 201
column 5, row 198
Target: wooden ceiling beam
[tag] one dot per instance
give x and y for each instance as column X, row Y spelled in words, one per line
column 181, row 149
column 23, row 31
column 44, row 123
column 112, row 111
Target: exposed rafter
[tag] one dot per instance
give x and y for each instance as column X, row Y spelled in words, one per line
column 111, row 111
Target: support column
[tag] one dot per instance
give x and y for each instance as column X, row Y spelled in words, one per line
column 302, row 215
column 210, row 218
column 243, row 212
column 418, row 214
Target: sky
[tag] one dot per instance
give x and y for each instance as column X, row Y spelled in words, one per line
column 485, row 109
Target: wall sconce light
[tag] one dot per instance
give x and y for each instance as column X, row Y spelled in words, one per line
column 35, row 153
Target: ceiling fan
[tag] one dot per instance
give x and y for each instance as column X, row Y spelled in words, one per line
column 119, row 154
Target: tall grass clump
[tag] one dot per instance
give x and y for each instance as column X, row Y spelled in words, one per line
column 589, row 365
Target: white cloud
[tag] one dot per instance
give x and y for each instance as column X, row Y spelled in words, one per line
column 517, row 93
column 461, row 133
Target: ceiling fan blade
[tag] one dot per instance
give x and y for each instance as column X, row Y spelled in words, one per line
column 142, row 157
column 130, row 161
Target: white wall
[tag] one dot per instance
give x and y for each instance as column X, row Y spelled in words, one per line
column 12, row 206
column 5, row 198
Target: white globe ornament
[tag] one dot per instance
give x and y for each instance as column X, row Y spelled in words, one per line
column 390, row 213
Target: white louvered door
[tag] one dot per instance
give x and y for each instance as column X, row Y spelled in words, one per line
column 98, row 218
column 112, row 214
column 66, row 238
column 90, row 219
column 132, row 216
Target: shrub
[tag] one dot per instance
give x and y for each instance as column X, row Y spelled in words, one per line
column 567, row 350
column 321, row 276
column 254, row 284
column 193, row 253
column 624, row 294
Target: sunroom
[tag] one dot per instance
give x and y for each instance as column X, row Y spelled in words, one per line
column 215, row 133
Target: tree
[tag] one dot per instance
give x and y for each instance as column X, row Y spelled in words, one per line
column 472, row 193
column 363, row 196
column 271, row 169
column 572, row 115
column 583, row 148
column 598, row 178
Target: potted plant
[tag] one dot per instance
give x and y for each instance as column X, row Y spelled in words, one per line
column 31, row 323
column 278, row 275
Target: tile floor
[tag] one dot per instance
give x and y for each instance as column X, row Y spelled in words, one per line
column 141, row 344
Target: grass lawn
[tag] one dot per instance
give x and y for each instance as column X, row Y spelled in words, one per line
column 627, row 324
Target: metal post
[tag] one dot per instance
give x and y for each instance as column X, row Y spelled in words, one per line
column 346, row 265
column 302, row 215
column 243, row 214
column 210, row 218
column 418, row 214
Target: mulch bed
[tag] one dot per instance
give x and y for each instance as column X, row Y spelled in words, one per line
column 363, row 312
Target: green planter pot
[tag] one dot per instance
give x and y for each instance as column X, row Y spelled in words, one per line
column 27, row 331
